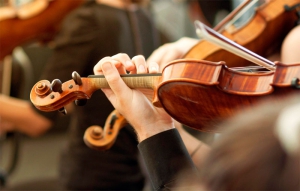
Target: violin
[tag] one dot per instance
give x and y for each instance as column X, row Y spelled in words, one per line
column 196, row 86
column 43, row 27
column 102, row 139
column 263, row 34
column 196, row 93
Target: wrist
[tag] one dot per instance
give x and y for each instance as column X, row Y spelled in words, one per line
column 147, row 132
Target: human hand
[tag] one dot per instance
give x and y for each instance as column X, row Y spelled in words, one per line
column 171, row 51
column 146, row 119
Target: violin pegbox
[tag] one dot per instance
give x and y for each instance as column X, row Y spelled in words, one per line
column 54, row 96
column 77, row 79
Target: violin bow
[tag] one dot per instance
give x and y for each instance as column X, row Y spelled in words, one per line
column 214, row 37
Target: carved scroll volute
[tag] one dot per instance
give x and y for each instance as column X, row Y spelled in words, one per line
column 103, row 139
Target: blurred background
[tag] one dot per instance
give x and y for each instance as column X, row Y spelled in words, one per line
column 23, row 159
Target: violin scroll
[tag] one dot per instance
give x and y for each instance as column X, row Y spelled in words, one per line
column 103, row 139
column 42, row 88
column 54, row 96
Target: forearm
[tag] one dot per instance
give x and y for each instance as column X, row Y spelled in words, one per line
column 23, row 117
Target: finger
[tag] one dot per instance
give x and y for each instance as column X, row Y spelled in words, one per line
column 98, row 68
column 117, row 85
column 153, row 67
column 118, row 65
column 125, row 60
column 169, row 57
column 140, row 64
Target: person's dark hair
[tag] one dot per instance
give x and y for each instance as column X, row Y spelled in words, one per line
column 250, row 156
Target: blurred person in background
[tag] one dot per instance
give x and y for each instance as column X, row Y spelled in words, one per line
column 91, row 32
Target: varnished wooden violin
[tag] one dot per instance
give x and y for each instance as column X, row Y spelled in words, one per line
column 262, row 34
column 102, row 139
column 196, row 93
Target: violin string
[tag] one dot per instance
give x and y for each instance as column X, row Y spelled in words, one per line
column 220, row 26
column 240, row 14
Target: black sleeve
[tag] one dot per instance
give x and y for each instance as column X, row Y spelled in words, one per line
column 165, row 157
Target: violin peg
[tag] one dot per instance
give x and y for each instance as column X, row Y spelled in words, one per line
column 80, row 102
column 63, row 111
column 56, row 86
column 77, row 79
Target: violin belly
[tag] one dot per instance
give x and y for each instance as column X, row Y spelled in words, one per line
column 203, row 107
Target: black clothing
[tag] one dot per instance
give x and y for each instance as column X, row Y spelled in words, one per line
column 211, row 7
column 165, row 157
column 88, row 34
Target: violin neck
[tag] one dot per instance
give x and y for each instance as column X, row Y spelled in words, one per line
column 133, row 81
column 214, row 37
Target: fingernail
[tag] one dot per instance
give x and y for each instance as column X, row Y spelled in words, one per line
column 142, row 68
column 128, row 63
column 106, row 66
column 154, row 68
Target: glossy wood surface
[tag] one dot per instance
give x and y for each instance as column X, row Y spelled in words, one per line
column 263, row 34
column 103, row 139
column 44, row 98
column 285, row 73
column 196, row 93
column 203, row 106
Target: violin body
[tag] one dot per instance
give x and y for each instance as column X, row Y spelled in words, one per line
column 263, row 34
column 202, row 94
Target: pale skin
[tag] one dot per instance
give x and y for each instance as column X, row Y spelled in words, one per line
column 18, row 115
column 290, row 47
column 130, row 102
column 172, row 51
